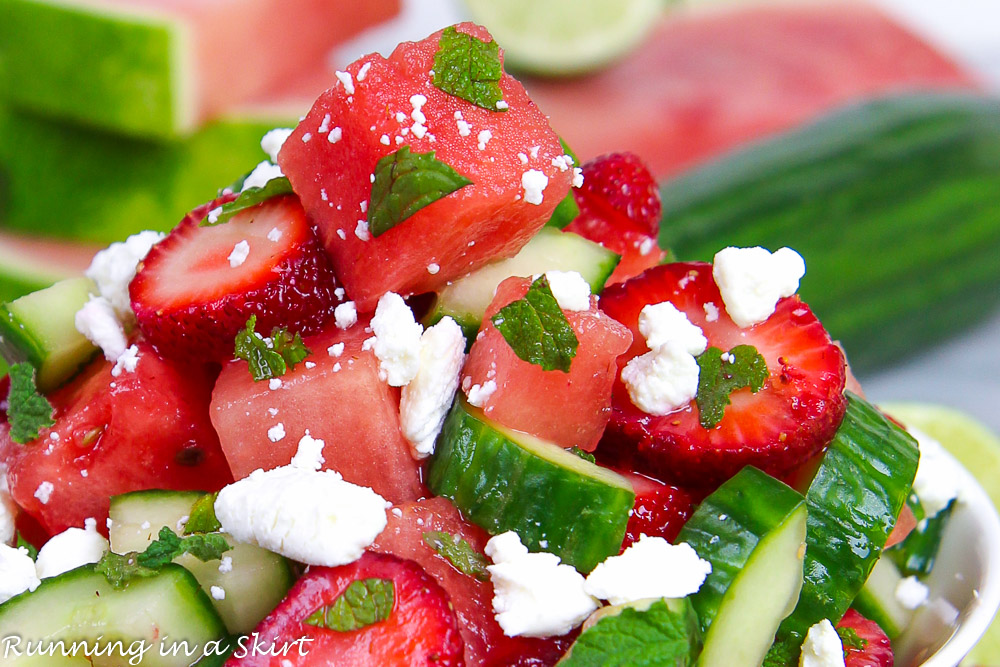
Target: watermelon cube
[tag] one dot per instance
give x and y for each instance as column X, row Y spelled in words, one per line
column 383, row 105
column 337, row 397
column 159, row 68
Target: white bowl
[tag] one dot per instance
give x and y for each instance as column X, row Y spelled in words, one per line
column 966, row 576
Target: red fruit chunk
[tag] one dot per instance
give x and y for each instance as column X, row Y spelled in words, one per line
column 660, row 510
column 340, row 400
column 485, row 642
column 791, row 418
column 141, row 430
column 191, row 299
column 904, row 526
column 569, row 409
column 420, row 630
column 459, row 232
column 877, row 651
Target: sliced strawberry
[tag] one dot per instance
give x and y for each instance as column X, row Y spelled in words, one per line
column 620, row 208
column 420, row 630
column 791, row 418
column 660, row 510
column 877, row 651
column 191, row 299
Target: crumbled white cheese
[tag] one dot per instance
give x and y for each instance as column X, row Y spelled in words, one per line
column 501, row 105
column 226, row 564
column 577, row 177
column 363, row 72
column 239, row 254
column 425, row 401
column 7, row 509
column 218, row 592
column 44, row 492
column 69, row 550
column 711, row 312
column 309, row 455
column 261, row 175
column 345, row 315
column 534, row 183
column 274, row 384
column 272, row 142
column 911, row 593
column 662, row 324
column 346, row 79
column 17, row 572
column 464, row 129
column 127, row 361
column 484, row 138
column 113, row 268
column 277, row 510
column 397, row 340
column 433, row 268
column 569, row 288
column 822, row 647
column 99, row 324
column 937, row 482
column 336, row 134
column 335, row 350
column 534, row 594
column 276, row 432
column 274, row 235
column 649, row 568
column 306, row 137
column 751, row 280
column 362, row 231
column 478, row 394
column 213, row 215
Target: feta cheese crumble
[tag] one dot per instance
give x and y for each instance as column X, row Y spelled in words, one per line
column 17, row 572
column 239, row 254
column 484, row 138
column 397, row 340
column 218, row 592
column 649, row 568
column 70, row 549
column 346, row 79
column 534, row 183
column 535, row 595
column 44, row 492
column 127, row 361
column 99, row 324
column 278, row 510
column 261, row 175
column 113, row 268
column 345, row 316
column 336, row 134
column 911, row 593
column 274, row 384
column 569, row 288
column 478, row 394
column 274, row 235
column 335, row 350
column 425, row 400
column 276, row 433
column 272, row 142
column 937, row 482
column 751, row 280
column 226, row 564
column 822, row 647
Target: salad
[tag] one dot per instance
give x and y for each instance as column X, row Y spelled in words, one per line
column 420, row 389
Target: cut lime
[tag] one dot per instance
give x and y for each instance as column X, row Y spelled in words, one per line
column 978, row 449
column 558, row 37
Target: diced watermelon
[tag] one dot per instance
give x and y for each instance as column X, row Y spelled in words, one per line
column 28, row 264
column 140, row 430
column 705, row 83
column 569, row 409
column 453, row 235
column 338, row 399
column 485, row 642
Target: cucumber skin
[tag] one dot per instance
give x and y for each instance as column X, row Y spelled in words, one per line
column 915, row 555
column 501, row 496
column 753, row 503
column 848, row 524
column 912, row 177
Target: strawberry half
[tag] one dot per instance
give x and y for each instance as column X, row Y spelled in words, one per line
column 195, row 290
column 877, row 650
column 660, row 510
column 420, row 629
column 792, row 417
column 620, row 208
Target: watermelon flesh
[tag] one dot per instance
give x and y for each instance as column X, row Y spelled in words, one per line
column 340, row 400
column 452, row 236
column 705, row 83
column 568, row 409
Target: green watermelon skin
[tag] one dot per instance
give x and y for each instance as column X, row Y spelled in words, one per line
column 458, row 233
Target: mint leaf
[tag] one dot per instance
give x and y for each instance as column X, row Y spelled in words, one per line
column 27, row 411
column 119, row 569
column 537, row 330
column 168, row 546
column 250, row 198
column 202, row 518
column 850, row 638
column 269, row 361
column 406, row 182
column 459, row 553
column 783, row 653
column 657, row 636
column 364, row 603
column 717, row 379
column 468, row 67
column 586, row 456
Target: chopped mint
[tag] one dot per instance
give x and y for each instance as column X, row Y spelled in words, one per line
column 364, row 603
column 269, row 361
column 718, row 378
column 459, row 553
column 469, row 68
column 28, row 546
column 656, row 636
column 537, row 330
column 27, row 410
column 406, row 182
column 850, row 638
column 248, row 199
column 120, row 569
column 586, row 456
column 202, row 518
column 783, row 653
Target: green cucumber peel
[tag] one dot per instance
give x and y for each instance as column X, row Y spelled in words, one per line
column 915, row 555
column 536, row 328
column 469, row 68
column 276, row 187
column 28, row 412
column 364, row 602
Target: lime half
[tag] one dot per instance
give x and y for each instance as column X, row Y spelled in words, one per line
column 559, row 37
column 978, row 449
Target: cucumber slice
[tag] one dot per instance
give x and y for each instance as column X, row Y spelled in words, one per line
column 752, row 530
column 916, row 554
column 257, row 582
column 877, row 600
column 507, row 480
column 80, row 605
column 40, row 328
column 860, row 487
column 466, row 299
